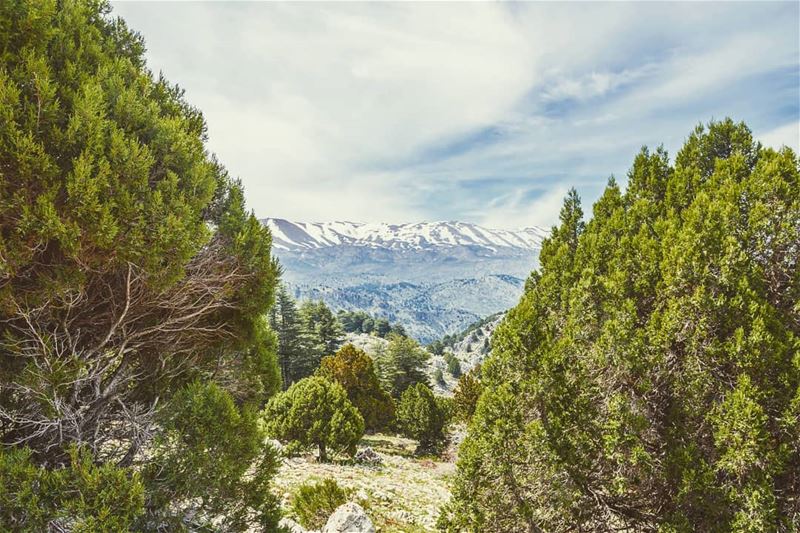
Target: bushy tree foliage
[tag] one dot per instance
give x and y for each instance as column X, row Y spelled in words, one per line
column 129, row 266
column 115, row 290
column 649, row 380
column 314, row 412
column 211, row 462
column 79, row 496
column 466, row 394
column 438, row 377
column 362, row 322
column 401, row 364
column 453, row 364
column 422, row 417
column 305, row 335
column 354, row 371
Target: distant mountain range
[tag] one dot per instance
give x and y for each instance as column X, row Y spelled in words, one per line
column 435, row 278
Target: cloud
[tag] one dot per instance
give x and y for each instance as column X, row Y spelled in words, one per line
column 785, row 135
column 484, row 112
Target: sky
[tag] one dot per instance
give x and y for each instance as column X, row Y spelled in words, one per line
column 477, row 112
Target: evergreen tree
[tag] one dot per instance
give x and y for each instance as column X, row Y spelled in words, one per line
column 354, row 371
column 129, row 268
column 314, row 412
column 454, row 367
column 401, row 364
column 285, row 321
column 466, row 394
column 420, row 416
column 322, row 324
column 648, row 379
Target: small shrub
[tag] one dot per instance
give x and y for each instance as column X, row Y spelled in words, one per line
column 438, row 377
column 82, row 494
column 314, row 502
column 454, row 367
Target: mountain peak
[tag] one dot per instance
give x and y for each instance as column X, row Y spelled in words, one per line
column 298, row 236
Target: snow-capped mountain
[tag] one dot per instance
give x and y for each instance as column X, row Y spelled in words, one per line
column 297, row 236
column 433, row 277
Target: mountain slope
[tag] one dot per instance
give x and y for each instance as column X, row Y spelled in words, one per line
column 435, row 278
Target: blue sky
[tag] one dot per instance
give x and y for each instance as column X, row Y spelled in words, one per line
column 481, row 112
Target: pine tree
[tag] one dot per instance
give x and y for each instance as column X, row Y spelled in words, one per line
column 354, row 370
column 314, row 412
column 285, row 321
column 129, row 269
column 321, row 323
column 401, row 364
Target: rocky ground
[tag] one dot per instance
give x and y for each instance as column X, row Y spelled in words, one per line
column 403, row 495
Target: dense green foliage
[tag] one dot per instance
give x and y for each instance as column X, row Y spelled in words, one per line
column 305, row 335
column 401, row 364
column 355, row 372
column 466, row 394
column 314, row 502
column 211, row 459
column 649, row 379
column 314, row 412
column 129, row 269
column 322, row 325
column 422, row 416
column 81, row 496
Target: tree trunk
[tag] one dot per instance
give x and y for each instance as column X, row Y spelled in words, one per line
column 323, row 456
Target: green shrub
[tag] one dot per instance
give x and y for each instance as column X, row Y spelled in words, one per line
column 438, row 376
column 454, row 367
column 420, row 416
column 314, row 502
column 314, row 412
column 211, row 461
column 80, row 495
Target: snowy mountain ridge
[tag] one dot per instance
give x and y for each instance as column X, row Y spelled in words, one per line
column 434, row 278
column 298, row 236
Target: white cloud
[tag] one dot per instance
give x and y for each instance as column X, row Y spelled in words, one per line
column 786, row 135
column 359, row 111
column 513, row 212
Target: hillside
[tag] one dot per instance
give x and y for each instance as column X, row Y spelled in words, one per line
column 435, row 278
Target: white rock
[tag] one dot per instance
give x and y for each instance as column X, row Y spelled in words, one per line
column 291, row 526
column 349, row 518
column 276, row 445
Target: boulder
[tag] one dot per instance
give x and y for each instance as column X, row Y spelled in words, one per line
column 349, row 518
column 369, row 456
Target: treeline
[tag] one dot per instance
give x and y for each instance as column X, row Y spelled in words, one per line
column 308, row 331
column 649, row 378
column 363, row 322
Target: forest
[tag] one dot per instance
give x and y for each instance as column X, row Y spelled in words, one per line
column 155, row 374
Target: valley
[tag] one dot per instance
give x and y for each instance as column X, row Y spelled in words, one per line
column 434, row 278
